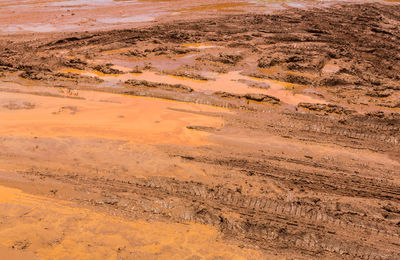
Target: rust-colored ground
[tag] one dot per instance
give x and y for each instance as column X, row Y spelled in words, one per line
column 229, row 134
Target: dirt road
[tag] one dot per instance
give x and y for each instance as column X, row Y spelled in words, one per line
column 238, row 135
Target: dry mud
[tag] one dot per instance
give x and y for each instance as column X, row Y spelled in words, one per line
column 248, row 136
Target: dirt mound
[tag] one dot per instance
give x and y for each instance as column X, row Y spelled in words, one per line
column 144, row 83
column 326, row 108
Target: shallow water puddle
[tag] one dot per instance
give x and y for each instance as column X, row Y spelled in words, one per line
column 73, row 15
column 34, row 27
column 231, row 82
column 158, row 62
column 64, row 3
column 127, row 19
column 330, row 68
column 107, row 116
column 199, row 45
column 215, row 7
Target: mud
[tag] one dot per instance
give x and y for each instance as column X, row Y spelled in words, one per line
column 235, row 136
column 97, row 232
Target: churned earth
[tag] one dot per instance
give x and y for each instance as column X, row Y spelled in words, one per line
column 230, row 134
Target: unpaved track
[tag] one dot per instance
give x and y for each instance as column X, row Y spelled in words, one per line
column 302, row 180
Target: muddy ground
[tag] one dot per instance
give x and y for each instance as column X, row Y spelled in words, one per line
column 280, row 131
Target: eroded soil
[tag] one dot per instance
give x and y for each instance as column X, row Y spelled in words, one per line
column 239, row 136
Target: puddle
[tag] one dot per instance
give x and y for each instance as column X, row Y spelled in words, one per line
column 74, row 3
column 158, row 62
column 94, row 114
column 127, row 19
column 231, row 82
column 73, row 15
column 50, row 27
column 296, row 5
column 214, row 7
column 65, row 3
column 32, row 28
column 330, row 68
column 199, row 45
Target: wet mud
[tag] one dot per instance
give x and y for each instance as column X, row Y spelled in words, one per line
column 241, row 136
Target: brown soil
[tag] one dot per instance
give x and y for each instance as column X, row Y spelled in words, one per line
column 274, row 135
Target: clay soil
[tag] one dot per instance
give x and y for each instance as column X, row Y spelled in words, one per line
column 235, row 136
